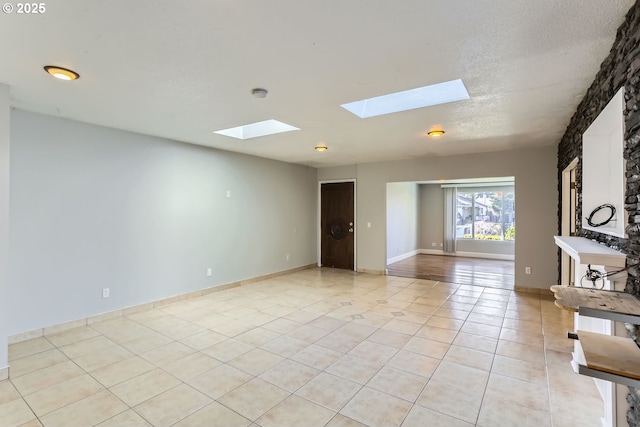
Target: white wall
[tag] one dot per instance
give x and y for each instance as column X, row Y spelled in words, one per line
column 5, row 303
column 536, row 197
column 94, row 207
column 402, row 219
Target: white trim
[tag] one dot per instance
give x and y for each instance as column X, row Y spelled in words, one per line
column 505, row 257
column 402, row 256
column 355, row 219
column 4, row 373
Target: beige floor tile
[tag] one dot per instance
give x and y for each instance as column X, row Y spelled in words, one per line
column 469, row 357
column 172, row 406
column 476, row 342
column 258, row 336
column 90, row 345
column 558, row 359
column 339, row 341
column 227, row 350
column 32, row 423
column 36, row 362
column 255, row 361
column 125, row 419
column 214, row 414
column 284, row 346
column 398, row 383
column 329, row 391
column 481, row 329
column 119, row 372
column 51, row 398
column 495, row 412
column 402, row 326
column 254, row 398
column 445, row 323
column 516, row 350
column 101, row 358
column 203, row 340
column 474, row 380
column 354, row 369
column 191, row 366
column 143, row 387
column 289, row 375
column 421, row 417
column 357, row 331
column 520, row 369
column 308, row 333
column 317, row 357
column 427, row 347
column 342, row 421
column 15, row 412
column 282, row 326
column 29, row 347
column 517, row 392
column 219, row 381
column 414, row 363
column 491, row 311
column 302, row 316
column 373, row 352
column 295, row 411
column 523, row 326
column 46, row 377
column 328, row 323
column 8, row 392
column 89, row 411
column 168, row 353
column 437, row 334
column 376, row 409
column 146, row 342
column 452, row 399
column 389, row 338
column 72, row 335
column 486, row 319
column 523, row 338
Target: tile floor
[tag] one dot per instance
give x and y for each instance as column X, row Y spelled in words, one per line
column 314, row 348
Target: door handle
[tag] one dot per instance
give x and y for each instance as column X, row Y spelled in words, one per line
column 351, row 230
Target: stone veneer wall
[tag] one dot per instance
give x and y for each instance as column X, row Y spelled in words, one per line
column 620, row 68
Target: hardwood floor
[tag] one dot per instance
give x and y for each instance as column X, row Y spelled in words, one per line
column 460, row 270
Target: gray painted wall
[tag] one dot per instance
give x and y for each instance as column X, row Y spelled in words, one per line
column 402, row 218
column 431, row 216
column 5, row 302
column 93, row 207
column 536, row 197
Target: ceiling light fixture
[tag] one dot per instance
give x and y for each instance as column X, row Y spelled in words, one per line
column 436, row 133
column 321, row 147
column 259, row 92
column 61, row 73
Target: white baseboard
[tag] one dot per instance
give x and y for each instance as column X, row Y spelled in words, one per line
column 402, row 256
column 4, row 373
column 505, row 257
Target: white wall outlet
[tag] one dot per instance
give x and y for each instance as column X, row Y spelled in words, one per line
column 440, row 244
column 368, row 225
column 527, row 270
column 228, row 194
column 209, row 272
column 433, row 244
column 287, row 257
column 105, row 293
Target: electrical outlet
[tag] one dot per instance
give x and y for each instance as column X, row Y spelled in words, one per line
column 105, row 293
column 209, row 272
column 433, row 244
column 228, row 194
column 368, row 225
column 287, row 257
column 527, row 270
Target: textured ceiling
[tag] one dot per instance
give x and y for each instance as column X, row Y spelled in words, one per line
column 181, row 70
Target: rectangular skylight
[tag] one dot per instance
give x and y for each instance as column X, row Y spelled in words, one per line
column 425, row 96
column 254, row 130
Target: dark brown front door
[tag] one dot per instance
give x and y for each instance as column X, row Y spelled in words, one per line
column 337, row 225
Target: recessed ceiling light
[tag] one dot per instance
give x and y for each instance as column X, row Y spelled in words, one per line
column 425, row 96
column 321, row 147
column 61, row 73
column 436, row 133
column 254, row 130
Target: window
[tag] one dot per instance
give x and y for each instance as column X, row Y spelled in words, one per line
column 488, row 214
